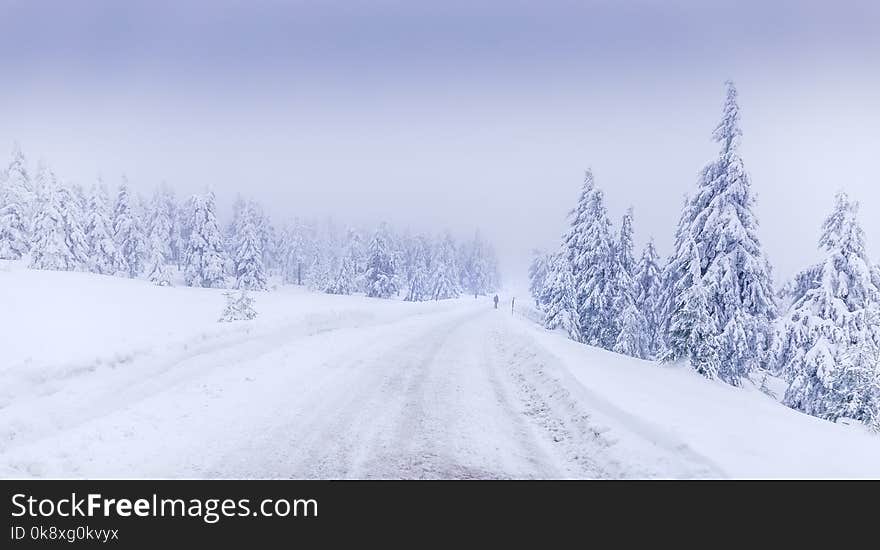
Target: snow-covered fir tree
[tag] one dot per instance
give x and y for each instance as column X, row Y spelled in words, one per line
column 17, row 201
column 160, row 238
column 561, row 304
column 380, row 275
column 445, row 278
column 15, row 225
column 648, row 300
column 693, row 333
column 204, row 254
column 538, row 269
column 735, row 274
column 597, row 284
column 629, row 323
column 293, row 253
column 103, row 253
column 247, row 252
column 476, row 276
column 830, row 335
column 59, row 242
column 418, row 270
column 128, row 233
column 239, row 307
column 345, row 281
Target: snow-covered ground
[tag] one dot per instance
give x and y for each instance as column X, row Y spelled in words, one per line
column 108, row 377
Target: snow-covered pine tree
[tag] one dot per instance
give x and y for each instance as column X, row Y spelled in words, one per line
column 268, row 238
column 323, row 264
column 445, row 278
column 380, row 274
column 345, row 281
column 598, row 285
column 17, row 207
column 648, row 300
column 204, row 254
column 247, row 250
column 59, row 241
column 293, row 252
column 559, row 296
column 475, row 267
column 128, row 233
column 239, row 307
column 830, row 333
column 735, row 274
column 630, row 325
column 693, row 333
column 103, row 253
column 538, row 269
column 418, row 278
column 181, row 230
column 160, row 239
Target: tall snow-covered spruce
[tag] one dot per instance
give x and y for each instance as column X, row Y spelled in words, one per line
column 128, row 233
column 629, row 323
column 445, row 279
column 103, row 252
column 345, row 279
column 204, row 255
column 648, row 300
column 829, row 344
column 160, row 238
column 734, row 274
column 59, row 242
column 538, row 269
column 561, row 302
column 380, row 274
column 17, row 203
column 247, row 248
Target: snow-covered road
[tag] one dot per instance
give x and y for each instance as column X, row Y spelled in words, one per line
column 433, row 394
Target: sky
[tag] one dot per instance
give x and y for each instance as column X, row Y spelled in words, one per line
column 458, row 115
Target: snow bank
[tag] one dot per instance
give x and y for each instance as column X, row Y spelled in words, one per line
column 739, row 432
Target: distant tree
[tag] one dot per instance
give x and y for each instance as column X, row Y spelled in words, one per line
column 204, row 253
column 103, row 253
column 538, row 274
column 17, row 202
column 128, row 234
column 293, row 251
column 418, row 287
column 59, row 241
column 380, row 273
column 247, row 243
column 345, row 281
column 160, row 238
column 445, row 281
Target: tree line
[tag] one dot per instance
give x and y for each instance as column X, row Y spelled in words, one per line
column 712, row 301
column 59, row 226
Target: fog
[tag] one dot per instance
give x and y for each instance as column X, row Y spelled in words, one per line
column 455, row 115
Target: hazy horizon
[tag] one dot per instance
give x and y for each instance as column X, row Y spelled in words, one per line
column 458, row 116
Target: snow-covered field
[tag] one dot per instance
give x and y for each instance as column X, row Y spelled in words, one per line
column 108, row 377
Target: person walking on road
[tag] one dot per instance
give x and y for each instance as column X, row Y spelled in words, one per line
column 496, row 301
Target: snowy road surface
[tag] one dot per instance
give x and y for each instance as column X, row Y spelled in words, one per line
column 444, row 392
column 144, row 382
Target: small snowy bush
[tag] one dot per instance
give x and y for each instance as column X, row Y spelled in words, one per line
column 239, row 307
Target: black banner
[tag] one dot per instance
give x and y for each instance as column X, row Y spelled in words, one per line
column 152, row 514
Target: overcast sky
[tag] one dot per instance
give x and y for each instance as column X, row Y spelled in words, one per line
column 455, row 114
